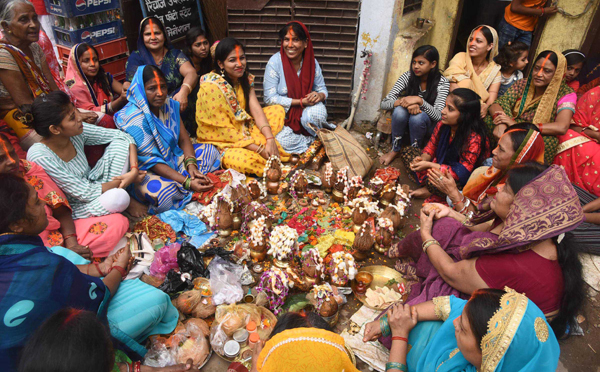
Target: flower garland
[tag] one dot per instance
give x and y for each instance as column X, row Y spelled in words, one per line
column 365, row 192
column 366, row 73
column 365, row 205
column 258, row 231
column 328, row 171
column 313, row 255
column 283, row 240
column 276, row 284
column 265, row 169
column 253, row 212
column 355, row 181
column 293, row 181
column 402, row 195
column 322, row 294
column 261, row 186
column 385, row 223
column 213, row 208
column 342, row 179
column 342, row 267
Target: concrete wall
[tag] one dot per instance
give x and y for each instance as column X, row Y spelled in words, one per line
column 376, row 32
column 562, row 33
column 443, row 13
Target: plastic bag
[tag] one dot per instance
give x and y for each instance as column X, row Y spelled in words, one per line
column 188, row 342
column 165, row 259
column 225, row 281
column 159, row 356
column 191, row 261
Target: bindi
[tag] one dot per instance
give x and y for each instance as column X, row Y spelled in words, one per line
column 157, row 81
column 290, row 34
column 543, row 64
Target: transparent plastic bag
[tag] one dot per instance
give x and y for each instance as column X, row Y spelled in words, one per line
column 225, row 281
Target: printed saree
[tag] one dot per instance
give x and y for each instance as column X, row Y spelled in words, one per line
column 487, row 184
column 223, row 122
column 461, row 71
column 157, row 140
column 88, row 96
column 518, row 103
column 519, row 339
column 38, row 85
column 35, row 283
column 169, row 66
column 544, row 208
column 101, row 234
column 305, row 349
column 577, row 153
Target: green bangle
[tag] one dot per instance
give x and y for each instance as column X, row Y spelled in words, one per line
column 187, row 183
column 384, row 325
column 396, row 365
column 190, row 160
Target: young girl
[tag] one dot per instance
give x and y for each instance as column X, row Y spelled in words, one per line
column 197, row 48
column 513, row 59
column 575, row 61
column 91, row 86
column 458, row 144
column 424, row 91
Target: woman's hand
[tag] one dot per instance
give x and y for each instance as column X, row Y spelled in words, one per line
column 182, row 98
column 176, row 368
column 443, row 181
column 438, row 210
column 88, row 117
column 306, row 102
column 128, row 178
column 402, row 319
column 414, row 109
column 499, row 130
column 124, row 259
column 411, row 100
column 315, row 97
column 372, row 331
column 420, row 166
column 484, row 110
column 271, row 148
column 502, row 118
column 82, row 250
column 426, row 223
column 201, row 184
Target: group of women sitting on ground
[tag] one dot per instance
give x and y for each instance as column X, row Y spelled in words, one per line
column 145, row 146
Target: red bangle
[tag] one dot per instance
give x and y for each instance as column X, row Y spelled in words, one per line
column 496, row 114
column 301, row 105
column 268, row 138
column 135, row 166
column 398, row 338
column 120, row 270
column 98, row 268
column 65, row 237
column 136, row 366
column 543, row 12
column 540, row 125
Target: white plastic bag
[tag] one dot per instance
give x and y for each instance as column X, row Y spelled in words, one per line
column 225, row 281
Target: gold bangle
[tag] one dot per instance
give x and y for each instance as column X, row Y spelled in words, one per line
column 429, row 243
column 188, row 86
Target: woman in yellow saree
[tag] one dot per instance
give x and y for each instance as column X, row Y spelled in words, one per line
column 229, row 115
column 475, row 69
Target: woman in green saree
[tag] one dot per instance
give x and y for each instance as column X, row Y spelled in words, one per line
column 544, row 99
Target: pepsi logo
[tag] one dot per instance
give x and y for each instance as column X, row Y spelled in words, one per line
column 81, row 5
column 85, row 35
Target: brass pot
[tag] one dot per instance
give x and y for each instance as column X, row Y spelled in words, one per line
column 332, row 320
column 381, row 249
column 225, row 232
column 258, row 256
column 237, row 221
column 338, row 196
column 272, row 187
column 361, row 255
column 384, row 203
column 281, row 264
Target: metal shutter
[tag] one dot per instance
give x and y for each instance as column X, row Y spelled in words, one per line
column 333, row 26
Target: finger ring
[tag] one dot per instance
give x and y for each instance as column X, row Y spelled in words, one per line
column 441, row 178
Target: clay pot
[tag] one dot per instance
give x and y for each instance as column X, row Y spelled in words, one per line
column 273, row 187
column 337, row 196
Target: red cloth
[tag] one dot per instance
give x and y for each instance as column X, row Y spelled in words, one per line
column 526, row 272
column 12, row 138
column 299, row 86
column 220, row 179
column 40, row 7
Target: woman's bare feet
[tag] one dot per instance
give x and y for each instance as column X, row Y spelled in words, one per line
column 137, row 209
column 421, row 193
column 388, row 158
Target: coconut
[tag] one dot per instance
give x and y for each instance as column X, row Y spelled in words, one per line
column 328, row 176
column 274, row 173
column 363, row 243
column 392, row 213
column 224, row 218
column 324, row 300
column 254, row 190
column 312, row 263
column 388, row 193
column 240, row 197
column 384, row 238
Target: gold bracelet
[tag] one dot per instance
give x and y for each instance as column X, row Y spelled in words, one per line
column 429, row 243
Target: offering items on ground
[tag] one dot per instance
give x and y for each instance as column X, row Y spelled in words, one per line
column 341, row 268
column 312, row 266
column 253, row 212
column 355, row 184
column 376, row 184
column 255, row 189
column 362, row 208
column 341, row 185
column 283, row 243
column 272, row 175
column 387, row 195
column 363, row 242
column 298, row 184
column 276, row 284
column 385, row 234
column 325, row 303
column 382, row 297
column 258, row 239
column 328, row 177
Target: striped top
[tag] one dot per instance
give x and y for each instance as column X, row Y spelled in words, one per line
column 434, row 112
column 82, row 185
